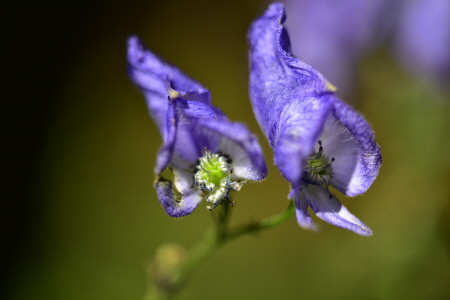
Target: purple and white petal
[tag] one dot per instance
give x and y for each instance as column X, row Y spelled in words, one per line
column 332, row 211
column 240, row 145
column 369, row 153
column 191, row 137
column 183, row 180
column 301, row 211
column 176, row 206
column 338, row 143
column 301, row 123
column 190, row 141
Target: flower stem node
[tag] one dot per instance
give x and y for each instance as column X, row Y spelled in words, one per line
column 213, row 174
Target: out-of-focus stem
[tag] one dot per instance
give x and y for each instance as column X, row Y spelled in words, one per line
column 212, row 240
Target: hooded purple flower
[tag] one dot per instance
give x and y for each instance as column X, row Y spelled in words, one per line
column 423, row 39
column 206, row 153
column 318, row 141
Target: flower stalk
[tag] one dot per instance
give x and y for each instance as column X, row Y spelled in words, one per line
column 212, row 240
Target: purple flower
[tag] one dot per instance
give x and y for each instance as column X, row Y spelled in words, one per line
column 318, row 141
column 206, row 153
column 332, row 35
column 423, row 39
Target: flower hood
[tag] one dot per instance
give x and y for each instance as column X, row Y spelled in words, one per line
column 297, row 109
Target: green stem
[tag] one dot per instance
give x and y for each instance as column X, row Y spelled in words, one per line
column 210, row 242
column 224, row 219
column 265, row 223
column 154, row 293
column 197, row 256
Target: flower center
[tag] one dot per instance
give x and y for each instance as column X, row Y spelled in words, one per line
column 213, row 175
column 318, row 169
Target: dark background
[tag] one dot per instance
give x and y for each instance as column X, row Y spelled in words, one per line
column 80, row 219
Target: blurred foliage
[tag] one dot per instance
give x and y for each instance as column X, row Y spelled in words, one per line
column 89, row 221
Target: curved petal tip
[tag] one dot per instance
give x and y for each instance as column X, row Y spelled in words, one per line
column 176, row 206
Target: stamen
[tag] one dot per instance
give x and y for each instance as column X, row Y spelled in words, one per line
column 318, row 169
column 232, row 203
column 213, row 176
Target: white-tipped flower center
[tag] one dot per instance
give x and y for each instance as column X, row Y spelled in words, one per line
column 213, row 175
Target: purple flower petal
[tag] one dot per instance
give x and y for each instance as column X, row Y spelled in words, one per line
column 338, row 143
column 276, row 78
column 301, row 210
column 176, row 206
column 369, row 153
column 154, row 77
column 240, row 145
column 165, row 153
column 290, row 99
column 331, row 210
column 191, row 138
column 300, row 126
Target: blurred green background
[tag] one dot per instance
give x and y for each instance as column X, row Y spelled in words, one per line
column 81, row 219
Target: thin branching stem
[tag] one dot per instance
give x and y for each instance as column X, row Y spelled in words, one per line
column 212, row 240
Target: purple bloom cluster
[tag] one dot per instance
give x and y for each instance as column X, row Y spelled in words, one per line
column 206, row 153
column 333, row 35
column 318, row 141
